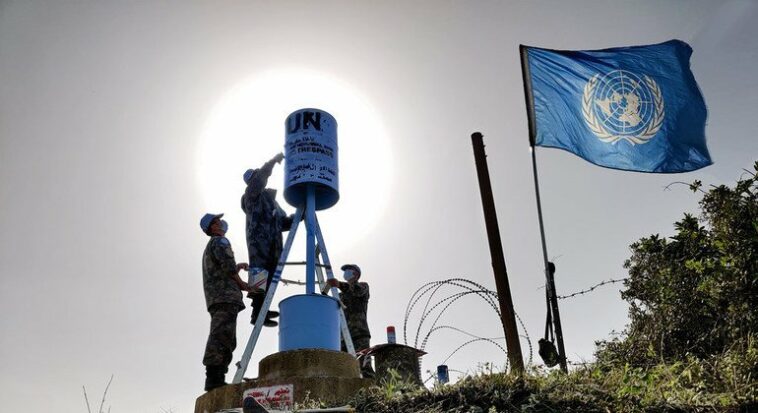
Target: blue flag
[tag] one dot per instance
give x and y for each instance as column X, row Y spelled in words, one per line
column 632, row 108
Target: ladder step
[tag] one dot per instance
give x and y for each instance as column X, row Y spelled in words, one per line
column 303, row 263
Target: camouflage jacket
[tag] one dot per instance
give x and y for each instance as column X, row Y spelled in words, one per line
column 265, row 219
column 355, row 297
column 219, row 267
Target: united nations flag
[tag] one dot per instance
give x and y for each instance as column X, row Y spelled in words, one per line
column 632, row 108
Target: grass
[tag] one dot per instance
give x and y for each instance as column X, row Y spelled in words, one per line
column 726, row 383
column 102, row 402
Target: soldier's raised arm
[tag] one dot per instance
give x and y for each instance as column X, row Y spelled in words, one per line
column 257, row 179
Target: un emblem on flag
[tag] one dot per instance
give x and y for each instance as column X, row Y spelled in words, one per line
column 622, row 105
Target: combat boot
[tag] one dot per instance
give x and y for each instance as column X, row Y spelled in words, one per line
column 214, row 377
column 267, row 322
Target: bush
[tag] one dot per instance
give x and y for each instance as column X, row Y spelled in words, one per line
column 695, row 294
column 724, row 383
column 691, row 344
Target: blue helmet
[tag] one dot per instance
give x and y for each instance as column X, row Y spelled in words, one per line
column 248, row 175
column 353, row 267
column 207, row 220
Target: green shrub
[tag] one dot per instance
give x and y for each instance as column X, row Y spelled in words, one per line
column 694, row 294
column 691, row 344
column 724, row 383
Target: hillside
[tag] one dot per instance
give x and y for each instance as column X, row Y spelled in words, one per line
column 690, row 345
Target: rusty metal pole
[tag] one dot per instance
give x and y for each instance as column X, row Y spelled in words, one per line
column 498, row 259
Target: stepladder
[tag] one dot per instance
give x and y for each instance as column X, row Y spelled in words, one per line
column 314, row 228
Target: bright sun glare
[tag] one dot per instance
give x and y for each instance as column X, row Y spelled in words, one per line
column 246, row 128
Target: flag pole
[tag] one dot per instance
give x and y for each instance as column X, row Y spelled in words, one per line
column 549, row 278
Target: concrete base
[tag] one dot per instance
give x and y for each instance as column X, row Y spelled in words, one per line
column 308, row 363
column 402, row 359
column 331, row 377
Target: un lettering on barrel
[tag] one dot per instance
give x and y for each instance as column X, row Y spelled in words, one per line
column 311, row 155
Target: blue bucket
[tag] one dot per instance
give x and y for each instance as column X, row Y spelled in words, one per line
column 309, row 321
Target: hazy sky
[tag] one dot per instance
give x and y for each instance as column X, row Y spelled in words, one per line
column 111, row 150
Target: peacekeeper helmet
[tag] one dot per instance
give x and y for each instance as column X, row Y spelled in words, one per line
column 353, row 267
column 207, row 220
column 356, row 270
column 248, row 175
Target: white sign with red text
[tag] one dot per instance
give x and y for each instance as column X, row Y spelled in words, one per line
column 279, row 396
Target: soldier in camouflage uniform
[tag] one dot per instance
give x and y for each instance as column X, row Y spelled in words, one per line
column 354, row 295
column 223, row 298
column 265, row 222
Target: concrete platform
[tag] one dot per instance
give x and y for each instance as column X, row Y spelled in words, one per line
column 329, row 376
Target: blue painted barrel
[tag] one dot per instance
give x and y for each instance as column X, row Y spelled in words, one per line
column 442, row 374
column 310, row 154
column 309, row 321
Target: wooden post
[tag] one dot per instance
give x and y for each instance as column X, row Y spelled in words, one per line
column 498, row 259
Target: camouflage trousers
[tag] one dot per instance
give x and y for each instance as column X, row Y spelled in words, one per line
column 268, row 263
column 362, row 343
column 222, row 339
column 264, row 253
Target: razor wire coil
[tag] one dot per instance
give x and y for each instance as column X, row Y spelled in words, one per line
column 429, row 307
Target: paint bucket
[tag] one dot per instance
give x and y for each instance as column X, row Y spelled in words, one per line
column 309, row 321
column 310, row 154
column 442, row 374
column 257, row 278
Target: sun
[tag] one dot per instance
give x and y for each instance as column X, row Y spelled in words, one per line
column 246, row 128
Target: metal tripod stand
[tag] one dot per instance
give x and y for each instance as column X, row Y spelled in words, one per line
column 313, row 268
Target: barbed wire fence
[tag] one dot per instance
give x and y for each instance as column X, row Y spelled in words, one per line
column 426, row 295
column 433, row 308
column 606, row 282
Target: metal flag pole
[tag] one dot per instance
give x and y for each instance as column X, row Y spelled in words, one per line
column 549, row 279
column 507, row 317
